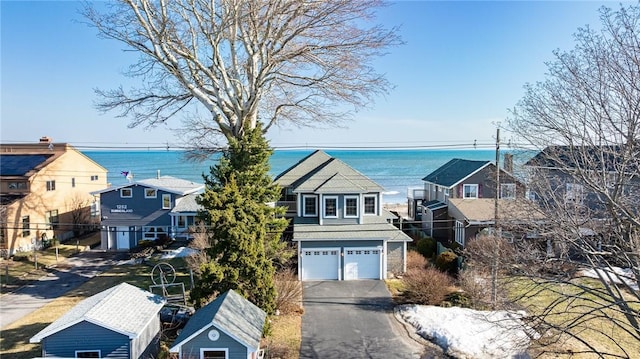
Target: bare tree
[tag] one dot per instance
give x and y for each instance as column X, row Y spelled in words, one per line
column 585, row 119
column 79, row 212
column 244, row 61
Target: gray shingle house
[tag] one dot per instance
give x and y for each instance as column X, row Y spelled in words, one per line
column 457, row 199
column 120, row 322
column 342, row 231
column 147, row 210
column 230, row 327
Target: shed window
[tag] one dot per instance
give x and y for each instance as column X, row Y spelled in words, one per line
column 88, row 354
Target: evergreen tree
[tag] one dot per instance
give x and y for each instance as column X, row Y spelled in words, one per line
column 243, row 228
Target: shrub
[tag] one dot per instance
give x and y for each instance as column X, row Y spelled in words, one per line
column 427, row 247
column 427, row 286
column 144, row 243
column 415, row 260
column 288, row 292
column 447, row 261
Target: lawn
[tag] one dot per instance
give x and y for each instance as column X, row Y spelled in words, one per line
column 590, row 318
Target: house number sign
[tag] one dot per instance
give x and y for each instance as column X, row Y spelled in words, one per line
column 121, row 208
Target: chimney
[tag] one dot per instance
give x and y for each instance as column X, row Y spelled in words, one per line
column 45, row 139
column 508, row 162
column 158, row 174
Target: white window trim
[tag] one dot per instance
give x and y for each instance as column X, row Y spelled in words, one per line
column 324, row 206
column 304, row 205
column 155, row 193
column 166, row 195
column 459, row 233
column 126, row 189
column 89, row 351
column 375, row 205
column 225, row 350
column 464, row 192
column 512, row 190
column 345, row 207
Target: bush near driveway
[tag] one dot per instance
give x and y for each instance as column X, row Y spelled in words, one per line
column 415, row 260
column 427, row 286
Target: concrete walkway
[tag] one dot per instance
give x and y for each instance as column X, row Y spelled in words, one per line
column 78, row 269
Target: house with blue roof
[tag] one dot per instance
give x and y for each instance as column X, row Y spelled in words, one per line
column 338, row 221
column 120, row 322
column 45, row 193
column 230, row 327
column 149, row 209
column 458, row 199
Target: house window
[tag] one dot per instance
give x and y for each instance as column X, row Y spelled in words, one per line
column 95, row 209
column 459, row 233
column 166, row 201
column 213, row 353
column 88, row 354
column 51, row 185
column 370, row 205
column 150, row 193
column 52, row 219
column 126, row 193
column 331, row 207
column 94, row 178
column 470, row 191
column 182, row 221
column 351, row 206
column 153, row 232
column 310, row 206
column 26, row 227
column 574, row 193
column 508, row 190
column 17, row 185
column 73, row 182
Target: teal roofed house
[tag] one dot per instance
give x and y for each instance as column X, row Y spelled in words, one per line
column 121, row 322
column 230, row 327
column 338, row 222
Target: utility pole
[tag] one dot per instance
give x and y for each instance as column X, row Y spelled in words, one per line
column 496, row 230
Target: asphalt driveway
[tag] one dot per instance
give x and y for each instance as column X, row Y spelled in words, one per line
column 352, row 319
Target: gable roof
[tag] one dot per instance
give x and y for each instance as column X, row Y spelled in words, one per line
column 455, row 171
column 230, row 313
column 124, row 309
column 321, row 173
column 301, row 168
column 164, row 183
column 584, row 157
column 482, row 210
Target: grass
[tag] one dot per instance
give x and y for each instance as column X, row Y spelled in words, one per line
column 286, row 337
column 588, row 316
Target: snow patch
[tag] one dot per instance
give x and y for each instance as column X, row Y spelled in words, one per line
column 617, row 275
column 178, row 253
column 466, row 333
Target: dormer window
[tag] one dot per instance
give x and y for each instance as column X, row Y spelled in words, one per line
column 331, row 207
column 309, row 206
column 370, row 205
column 470, row 191
column 350, row 206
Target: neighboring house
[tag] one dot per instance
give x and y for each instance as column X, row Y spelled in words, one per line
column 120, row 322
column 45, row 192
column 339, row 224
column 147, row 210
column 455, row 185
column 230, row 327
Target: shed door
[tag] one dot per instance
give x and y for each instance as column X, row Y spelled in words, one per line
column 122, row 234
column 362, row 263
column 320, row 263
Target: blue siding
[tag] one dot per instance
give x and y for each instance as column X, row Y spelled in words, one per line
column 86, row 336
column 191, row 349
column 143, row 211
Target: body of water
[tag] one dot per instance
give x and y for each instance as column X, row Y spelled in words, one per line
column 395, row 170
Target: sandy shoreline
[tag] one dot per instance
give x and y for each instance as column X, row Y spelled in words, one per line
column 401, row 208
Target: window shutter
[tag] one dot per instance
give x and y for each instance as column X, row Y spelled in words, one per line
column 479, row 190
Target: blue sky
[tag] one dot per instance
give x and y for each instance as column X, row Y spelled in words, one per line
column 463, row 66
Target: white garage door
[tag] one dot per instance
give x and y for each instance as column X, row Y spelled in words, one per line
column 362, row 263
column 320, row 263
